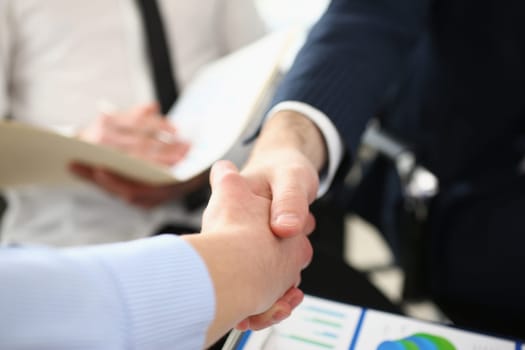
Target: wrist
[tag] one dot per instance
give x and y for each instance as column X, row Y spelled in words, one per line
column 230, row 273
column 292, row 130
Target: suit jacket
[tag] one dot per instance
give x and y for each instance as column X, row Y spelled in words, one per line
column 448, row 76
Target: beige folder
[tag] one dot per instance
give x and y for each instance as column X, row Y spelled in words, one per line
column 213, row 113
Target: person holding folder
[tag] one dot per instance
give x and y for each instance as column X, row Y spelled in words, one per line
column 108, row 71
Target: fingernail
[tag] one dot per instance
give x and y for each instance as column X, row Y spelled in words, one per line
column 290, row 220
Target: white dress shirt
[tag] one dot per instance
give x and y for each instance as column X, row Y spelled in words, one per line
column 60, row 58
column 153, row 293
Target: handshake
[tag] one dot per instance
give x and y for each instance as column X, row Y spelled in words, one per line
column 255, row 228
column 242, row 271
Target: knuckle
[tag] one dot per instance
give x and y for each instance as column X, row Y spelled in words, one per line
column 229, row 179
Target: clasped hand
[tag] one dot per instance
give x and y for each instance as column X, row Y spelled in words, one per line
column 289, row 182
column 267, row 268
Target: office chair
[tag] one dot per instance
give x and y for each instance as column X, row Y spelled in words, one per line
column 418, row 186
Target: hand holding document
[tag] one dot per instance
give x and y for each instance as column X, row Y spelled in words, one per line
column 140, row 131
column 213, row 113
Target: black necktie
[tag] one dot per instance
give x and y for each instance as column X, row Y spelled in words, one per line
column 159, row 55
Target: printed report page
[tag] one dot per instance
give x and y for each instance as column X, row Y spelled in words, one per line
column 322, row 324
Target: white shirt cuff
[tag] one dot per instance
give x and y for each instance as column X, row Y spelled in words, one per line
column 332, row 139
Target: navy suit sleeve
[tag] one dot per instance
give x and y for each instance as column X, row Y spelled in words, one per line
column 353, row 55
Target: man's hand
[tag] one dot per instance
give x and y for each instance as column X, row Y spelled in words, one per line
column 261, row 272
column 284, row 167
column 288, row 179
column 280, row 170
column 142, row 133
column 278, row 312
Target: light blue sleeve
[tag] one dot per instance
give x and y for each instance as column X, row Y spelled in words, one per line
column 153, row 293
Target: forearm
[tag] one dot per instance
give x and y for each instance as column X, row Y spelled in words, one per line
column 229, row 271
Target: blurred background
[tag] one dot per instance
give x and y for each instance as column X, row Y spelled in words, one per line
column 282, row 13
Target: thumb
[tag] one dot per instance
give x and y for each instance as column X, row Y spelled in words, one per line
column 291, row 197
